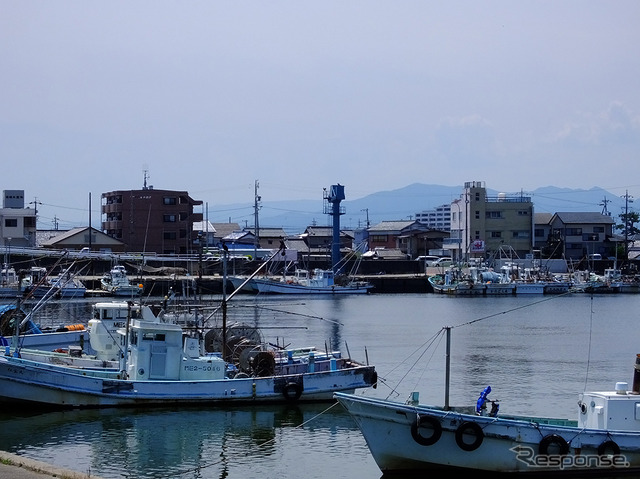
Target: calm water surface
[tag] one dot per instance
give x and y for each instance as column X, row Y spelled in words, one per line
column 537, row 353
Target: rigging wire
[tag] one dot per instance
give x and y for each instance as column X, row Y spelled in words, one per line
column 511, row 310
column 424, row 347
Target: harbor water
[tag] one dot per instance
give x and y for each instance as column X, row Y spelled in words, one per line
column 537, row 353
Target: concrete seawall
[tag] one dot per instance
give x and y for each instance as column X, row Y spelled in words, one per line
column 186, row 284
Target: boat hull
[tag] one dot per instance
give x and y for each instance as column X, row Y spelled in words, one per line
column 399, row 443
column 277, row 287
column 530, row 288
column 468, row 288
column 52, row 341
column 27, row 382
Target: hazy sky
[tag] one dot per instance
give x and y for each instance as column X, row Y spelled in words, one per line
column 209, row 96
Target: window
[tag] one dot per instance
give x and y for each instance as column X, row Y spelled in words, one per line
column 153, row 336
column 169, row 200
column 378, row 238
column 493, row 215
column 170, row 235
column 590, row 237
column 169, row 218
column 30, row 221
column 10, row 222
column 574, row 231
column 495, row 234
column 523, row 213
column 520, row 234
column 477, row 214
column 598, row 229
column 539, row 233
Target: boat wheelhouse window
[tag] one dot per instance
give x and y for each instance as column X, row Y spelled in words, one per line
column 149, row 336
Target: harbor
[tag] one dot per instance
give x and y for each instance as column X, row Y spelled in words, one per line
column 535, row 358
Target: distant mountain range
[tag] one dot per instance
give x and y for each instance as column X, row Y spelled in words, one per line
column 404, row 203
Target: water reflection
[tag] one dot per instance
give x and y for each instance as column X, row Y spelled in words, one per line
column 160, row 443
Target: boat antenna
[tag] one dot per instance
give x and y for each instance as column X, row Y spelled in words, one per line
column 586, row 376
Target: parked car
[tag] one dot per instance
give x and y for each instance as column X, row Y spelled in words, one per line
column 443, row 262
column 428, row 260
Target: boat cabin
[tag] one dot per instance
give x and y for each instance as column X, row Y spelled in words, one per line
column 154, row 350
column 618, row 410
column 158, row 351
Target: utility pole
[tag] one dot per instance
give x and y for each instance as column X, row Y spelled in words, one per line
column 366, row 210
column 627, row 199
column 35, row 204
column 604, row 204
column 256, row 208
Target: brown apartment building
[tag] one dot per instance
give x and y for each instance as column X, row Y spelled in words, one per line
column 150, row 220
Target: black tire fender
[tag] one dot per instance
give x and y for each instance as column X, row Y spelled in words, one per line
column 553, row 439
column 469, row 427
column 608, row 445
column 292, row 392
column 431, row 421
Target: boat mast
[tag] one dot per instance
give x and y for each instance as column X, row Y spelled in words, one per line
column 224, row 301
column 447, row 372
column 16, row 339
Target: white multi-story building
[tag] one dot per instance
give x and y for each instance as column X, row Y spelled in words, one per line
column 17, row 223
column 438, row 218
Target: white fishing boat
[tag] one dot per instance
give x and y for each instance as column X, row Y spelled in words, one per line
column 68, row 285
column 160, row 363
column 320, row 281
column 490, row 283
column 32, row 336
column 9, row 283
column 454, row 282
column 117, row 283
column 35, row 282
column 603, row 440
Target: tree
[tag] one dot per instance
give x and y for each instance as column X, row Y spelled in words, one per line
column 628, row 228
